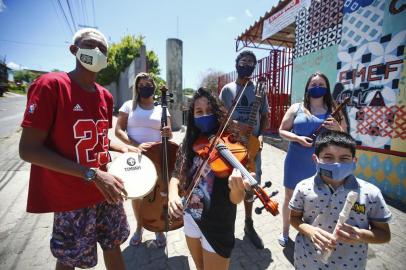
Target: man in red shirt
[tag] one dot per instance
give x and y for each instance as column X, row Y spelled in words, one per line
column 64, row 136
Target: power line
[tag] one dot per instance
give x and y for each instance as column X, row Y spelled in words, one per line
column 66, row 18
column 59, row 19
column 71, row 15
column 84, row 10
column 32, row 43
column 94, row 14
column 77, row 13
column 80, row 11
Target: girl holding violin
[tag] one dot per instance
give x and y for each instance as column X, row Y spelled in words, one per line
column 209, row 217
column 139, row 124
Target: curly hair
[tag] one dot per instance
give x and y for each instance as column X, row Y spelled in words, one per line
column 185, row 154
column 246, row 53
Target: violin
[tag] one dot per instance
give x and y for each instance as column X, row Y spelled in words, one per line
column 219, row 166
column 335, row 114
column 206, row 148
column 268, row 204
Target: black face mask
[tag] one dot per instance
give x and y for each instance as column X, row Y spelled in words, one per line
column 146, row 91
column 244, row 71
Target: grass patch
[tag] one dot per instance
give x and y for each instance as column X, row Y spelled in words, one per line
column 17, row 89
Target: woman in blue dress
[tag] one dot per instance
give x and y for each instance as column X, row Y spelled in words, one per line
column 299, row 122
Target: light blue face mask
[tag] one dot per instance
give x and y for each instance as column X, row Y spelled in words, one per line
column 336, row 171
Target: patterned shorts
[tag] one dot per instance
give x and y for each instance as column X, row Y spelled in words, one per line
column 76, row 233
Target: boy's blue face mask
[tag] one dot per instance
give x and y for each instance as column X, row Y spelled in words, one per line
column 317, row 91
column 206, row 123
column 336, row 171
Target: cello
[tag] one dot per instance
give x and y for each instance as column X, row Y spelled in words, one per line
column 154, row 207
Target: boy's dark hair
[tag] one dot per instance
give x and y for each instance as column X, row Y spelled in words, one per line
column 245, row 53
column 336, row 138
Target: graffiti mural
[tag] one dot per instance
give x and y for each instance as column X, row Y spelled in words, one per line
column 399, row 144
column 395, row 16
column 396, row 7
column 353, row 5
column 364, row 24
column 319, row 27
column 366, row 40
column 386, row 172
column 382, row 121
column 369, row 74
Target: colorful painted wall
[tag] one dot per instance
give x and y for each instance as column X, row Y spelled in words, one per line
column 360, row 46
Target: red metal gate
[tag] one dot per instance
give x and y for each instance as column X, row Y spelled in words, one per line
column 277, row 68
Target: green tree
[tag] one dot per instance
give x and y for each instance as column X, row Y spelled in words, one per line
column 153, row 63
column 24, row 75
column 121, row 55
column 188, row 91
column 158, row 81
column 209, row 80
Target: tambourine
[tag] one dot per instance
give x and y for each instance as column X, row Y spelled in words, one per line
column 137, row 172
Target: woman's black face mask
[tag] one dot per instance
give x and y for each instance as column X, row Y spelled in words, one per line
column 146, row 91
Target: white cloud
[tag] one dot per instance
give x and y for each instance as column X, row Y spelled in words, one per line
column 231, row 18
column 15, row 66
column 2, row 5
column 248, row 13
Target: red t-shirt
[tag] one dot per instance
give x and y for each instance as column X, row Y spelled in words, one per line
column 77, row 123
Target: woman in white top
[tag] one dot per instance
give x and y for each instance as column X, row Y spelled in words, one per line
column 139, row 124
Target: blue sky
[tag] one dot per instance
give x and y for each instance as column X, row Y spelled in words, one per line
column 34, row 34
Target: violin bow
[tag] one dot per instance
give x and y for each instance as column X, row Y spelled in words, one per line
column 220, row 131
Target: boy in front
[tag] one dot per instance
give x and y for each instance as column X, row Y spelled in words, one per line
column 317, row 201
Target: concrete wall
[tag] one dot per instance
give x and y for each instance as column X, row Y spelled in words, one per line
column 122, row 91
column 112, row 87
column 174, row 51
column 361, row 50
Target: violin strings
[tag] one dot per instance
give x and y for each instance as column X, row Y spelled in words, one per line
column 226, row 153
column 215, row 141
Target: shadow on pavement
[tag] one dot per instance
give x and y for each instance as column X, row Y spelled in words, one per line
column 246, row 256
column 148, row 256
column 10, row 173
column 396, row 204
column 289, row 250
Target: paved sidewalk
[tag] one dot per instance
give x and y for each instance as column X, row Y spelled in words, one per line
column 24, row 237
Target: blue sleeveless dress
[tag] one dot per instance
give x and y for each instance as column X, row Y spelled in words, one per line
column 299, row 164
